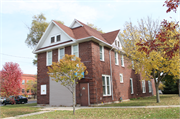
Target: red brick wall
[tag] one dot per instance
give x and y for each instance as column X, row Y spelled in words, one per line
column 27, row 77
column 90, row 56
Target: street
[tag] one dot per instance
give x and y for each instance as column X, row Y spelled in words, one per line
column 29, row 102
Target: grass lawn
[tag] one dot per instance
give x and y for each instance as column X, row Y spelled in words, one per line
column 149, row 101
column 18, row 109
column 110, row 113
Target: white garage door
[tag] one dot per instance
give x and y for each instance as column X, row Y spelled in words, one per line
column 59, row 95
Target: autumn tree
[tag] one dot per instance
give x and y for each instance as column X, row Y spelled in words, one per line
column 68, row 71
column 32, row 85
column 153, row 48
column 172, row 5
column 36, row 30
column 95, row 27
column 10, row 79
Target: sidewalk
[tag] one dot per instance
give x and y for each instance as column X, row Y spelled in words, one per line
column 50, row 109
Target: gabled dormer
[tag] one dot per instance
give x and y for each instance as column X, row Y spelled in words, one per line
column 56, row 33
column 75, row 24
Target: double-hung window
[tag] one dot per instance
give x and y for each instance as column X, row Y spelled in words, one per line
column 149, row 85
column 132, row 64
column 131, row 85
column 106, row 83
column 101, row 53
column 121, row 78
column 61, row 53
column 23, row 81
column 58, row 38
column 143, row 86
column 122, row 60
column 49, row 58
column 75, row 50
column 116, row 58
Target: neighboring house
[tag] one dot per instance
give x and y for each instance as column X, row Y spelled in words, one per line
column 25, row 79
column 109, row 77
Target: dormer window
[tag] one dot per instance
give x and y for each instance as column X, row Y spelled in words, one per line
column 52, row 39
column 58, row 38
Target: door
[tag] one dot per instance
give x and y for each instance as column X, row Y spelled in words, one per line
column 84, row 93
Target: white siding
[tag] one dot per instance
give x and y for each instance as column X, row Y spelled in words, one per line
column 54, row 31
column 59, row 95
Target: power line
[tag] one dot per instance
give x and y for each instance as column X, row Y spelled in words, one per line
column 16, row 56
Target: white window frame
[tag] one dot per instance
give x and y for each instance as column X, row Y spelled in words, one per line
column 150, row 86
column 131, row 86
column 72, row 52
column 121, row 78
column 47, row 58
column 105, row 76
column 143, row 86
column 59, row 53
column 102, row 52
column 23, row 82
column 116, row 59
column 122, row 61
column 132, row 64
column 55, row 38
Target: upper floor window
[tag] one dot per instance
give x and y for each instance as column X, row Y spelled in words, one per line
column 116, row 58
column 122, row 60
column 150, row 87
column 101, row 53
column 75, row 50
column 143, row 86
column 131, row 85
column 52, row 39
column 49, row 58
column 106, row 85
column 58, row 37
column 55, row 38
column 121, row 78
column 132, row 64
column 23, row 81
column 61, row 53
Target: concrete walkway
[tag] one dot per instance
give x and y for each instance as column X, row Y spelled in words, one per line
column 49, row 109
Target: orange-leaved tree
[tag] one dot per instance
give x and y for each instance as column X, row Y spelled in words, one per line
column 68, row 71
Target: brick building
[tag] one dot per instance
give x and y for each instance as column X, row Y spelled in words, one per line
column 109, row 77
column 25, row 79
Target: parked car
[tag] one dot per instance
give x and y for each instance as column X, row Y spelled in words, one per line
column 15, row 99
column 2, row 99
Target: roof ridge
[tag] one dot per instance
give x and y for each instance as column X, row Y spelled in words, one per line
column 89, row 26
column 62, row 25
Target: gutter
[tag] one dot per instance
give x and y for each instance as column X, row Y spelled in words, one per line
column 111, row 73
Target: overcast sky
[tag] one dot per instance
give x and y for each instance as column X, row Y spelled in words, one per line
column 109, row 15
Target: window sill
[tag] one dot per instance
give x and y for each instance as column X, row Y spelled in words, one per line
column 121, row 82
column 123, row 66
column 102, row 60
column 132, row 93
column 107, row 95
column 143, row 92
column 117, row 64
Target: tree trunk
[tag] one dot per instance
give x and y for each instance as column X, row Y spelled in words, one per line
column 74, row 102
column 157, row 93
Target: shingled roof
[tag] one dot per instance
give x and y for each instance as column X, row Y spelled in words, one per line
column 86, row 31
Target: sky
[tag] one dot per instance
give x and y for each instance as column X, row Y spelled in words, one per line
column 109, row 15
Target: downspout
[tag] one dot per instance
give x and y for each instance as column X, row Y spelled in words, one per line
column 111, row 74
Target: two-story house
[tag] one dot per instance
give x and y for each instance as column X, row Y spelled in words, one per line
column 109, row 77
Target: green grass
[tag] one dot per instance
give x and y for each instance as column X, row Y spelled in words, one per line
column 149, row 101
column 110, row 113
column 18, row 109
